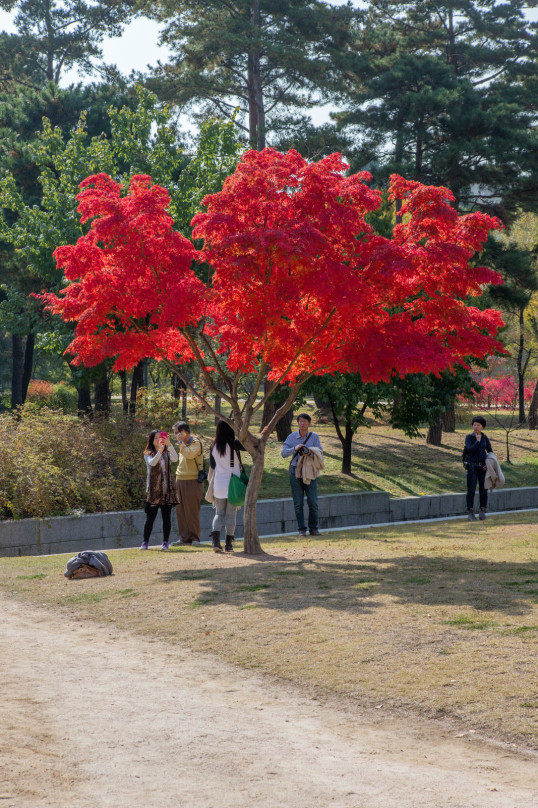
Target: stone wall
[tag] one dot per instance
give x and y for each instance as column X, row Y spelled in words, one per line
column 106, row 531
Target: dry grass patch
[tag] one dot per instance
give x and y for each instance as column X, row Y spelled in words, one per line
column 440, row 619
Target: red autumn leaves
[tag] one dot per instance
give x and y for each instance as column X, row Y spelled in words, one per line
column 299, row 281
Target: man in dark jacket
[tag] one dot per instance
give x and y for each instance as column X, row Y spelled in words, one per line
column 477, row 446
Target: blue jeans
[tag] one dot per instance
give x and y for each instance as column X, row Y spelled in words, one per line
column 298, row 490
column 476, row 474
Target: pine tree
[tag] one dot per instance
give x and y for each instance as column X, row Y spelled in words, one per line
column 255, row 57
column 54, row 36
column 445, row 92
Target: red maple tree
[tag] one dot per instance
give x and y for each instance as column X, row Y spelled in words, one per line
column 299, row 285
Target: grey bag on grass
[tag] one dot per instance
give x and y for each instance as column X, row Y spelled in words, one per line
column 83, row 565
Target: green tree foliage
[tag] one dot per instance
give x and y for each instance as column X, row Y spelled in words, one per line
column 259, row 56
column 519, row 269
column 349, row 398
column 143, row 140
column 54, row 36
column 421, row 398
column 446, row 93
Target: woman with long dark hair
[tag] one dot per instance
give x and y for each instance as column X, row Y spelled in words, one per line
column 224, row 461
column 159, row 455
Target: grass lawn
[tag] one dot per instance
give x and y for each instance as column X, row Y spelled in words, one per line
column 384, row 459
column 436, row 619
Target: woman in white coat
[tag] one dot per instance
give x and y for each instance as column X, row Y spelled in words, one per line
column 224, row 461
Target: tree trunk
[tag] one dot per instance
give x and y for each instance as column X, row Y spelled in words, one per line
column 323, row 406
column 533, row 409
column 28, row 364
column 217, row 405
column 252, row 544
column 269, row 409
column 435, row 433
column 283, row 427
column 137, row 381
column 180, row 392
column 521, row 368
column 347, row 443
column 124, row 401
column 256, row 106
column 84, row 404
column 101, row 395
column 448, row 419
column 17, row 371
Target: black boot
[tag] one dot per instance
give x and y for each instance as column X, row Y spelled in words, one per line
column 229, row 546
column 215, row 538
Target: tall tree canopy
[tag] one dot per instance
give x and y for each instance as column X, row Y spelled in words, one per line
column 55, row 36
column 446, row 93
column 300, row 285
column 127, row 141
column 256, row 56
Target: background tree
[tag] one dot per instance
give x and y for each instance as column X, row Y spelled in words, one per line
column 423, row 399
column 142, row 139
column 52, row 37
column 299, row 285
column 445, row 93
column 259, row 57
column 519, row 270
column 349, row 398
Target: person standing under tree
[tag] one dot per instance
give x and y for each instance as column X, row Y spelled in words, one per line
column 188, row 487
column 296, row 444
column 159, row 455
column 477, row 446
column 225, row 461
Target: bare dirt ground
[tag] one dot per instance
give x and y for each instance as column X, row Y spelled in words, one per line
column 94, row 716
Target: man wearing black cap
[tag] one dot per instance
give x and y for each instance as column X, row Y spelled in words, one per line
column 477, row 446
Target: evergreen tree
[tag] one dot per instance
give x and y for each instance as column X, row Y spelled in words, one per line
column 518, row 267
column 445, row 93
column 55, row 36
column 258, row 57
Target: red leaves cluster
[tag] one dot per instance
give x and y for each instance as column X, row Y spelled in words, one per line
column 132, row 283
column 501, row 391
column 301, row 277
column 300, row 280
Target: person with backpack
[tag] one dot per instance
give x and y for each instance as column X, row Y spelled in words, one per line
column 477, row 446
column 299, row 444
column 189, row 484
column 159, row 455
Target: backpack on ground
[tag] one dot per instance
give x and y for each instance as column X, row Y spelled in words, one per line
column 88, row 564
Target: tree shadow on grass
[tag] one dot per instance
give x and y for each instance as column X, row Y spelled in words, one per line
column 292, row 586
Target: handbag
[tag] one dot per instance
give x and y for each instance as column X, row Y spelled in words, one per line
column 237, row 487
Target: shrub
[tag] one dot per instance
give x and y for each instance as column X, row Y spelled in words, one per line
column 156, row 406
column 39, row 391
column 64, row 398
column 52, row 463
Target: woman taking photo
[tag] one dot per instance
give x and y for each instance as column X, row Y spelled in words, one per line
column 224, row 461
column 159, row 455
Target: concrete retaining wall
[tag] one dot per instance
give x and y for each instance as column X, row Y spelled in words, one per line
column 101, row 531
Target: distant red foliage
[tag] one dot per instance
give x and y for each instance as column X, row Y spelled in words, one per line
column 500, row 392
column 39, row 390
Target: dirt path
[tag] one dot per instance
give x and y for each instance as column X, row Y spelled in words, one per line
column 94, row 717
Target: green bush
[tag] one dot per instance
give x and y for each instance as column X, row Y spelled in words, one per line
column 52, row 463
column 63, row 397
